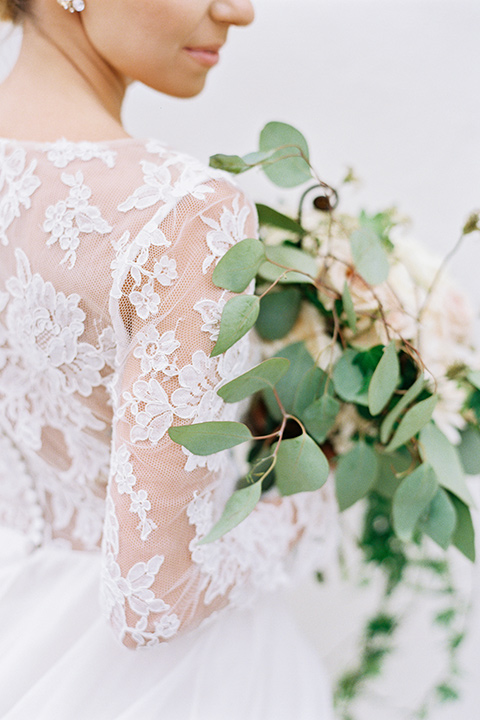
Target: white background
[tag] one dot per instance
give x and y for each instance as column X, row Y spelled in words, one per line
column 390, row 87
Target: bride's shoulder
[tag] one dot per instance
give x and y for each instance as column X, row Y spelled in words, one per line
column 174, row 166
column 128, row 179
column 158, row 173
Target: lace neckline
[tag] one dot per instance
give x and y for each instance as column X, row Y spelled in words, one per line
column 42, row 144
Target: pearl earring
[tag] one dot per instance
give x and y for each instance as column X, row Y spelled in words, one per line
column 72, row 5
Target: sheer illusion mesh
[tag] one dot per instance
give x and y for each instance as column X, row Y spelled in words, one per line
column 108, row 315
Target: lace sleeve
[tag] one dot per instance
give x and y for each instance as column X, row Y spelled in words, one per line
column 161, row 500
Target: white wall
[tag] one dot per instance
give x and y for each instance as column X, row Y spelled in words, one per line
column 390, row 87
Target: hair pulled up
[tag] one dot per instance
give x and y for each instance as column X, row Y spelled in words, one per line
column 13, row 10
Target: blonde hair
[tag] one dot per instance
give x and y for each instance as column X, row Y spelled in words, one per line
column 13, row 9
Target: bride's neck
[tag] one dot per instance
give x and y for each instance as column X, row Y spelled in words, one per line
column 60, row 90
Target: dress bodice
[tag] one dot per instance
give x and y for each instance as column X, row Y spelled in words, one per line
column 108, row 315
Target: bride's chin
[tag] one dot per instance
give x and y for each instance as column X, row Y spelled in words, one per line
column 185, row 90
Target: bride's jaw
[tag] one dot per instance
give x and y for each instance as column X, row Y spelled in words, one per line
column 167, row 45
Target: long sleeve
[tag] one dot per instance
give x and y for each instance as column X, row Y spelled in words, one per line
column 108, row 316
column 161, row 500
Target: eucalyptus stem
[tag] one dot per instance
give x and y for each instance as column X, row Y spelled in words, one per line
column 439, row 273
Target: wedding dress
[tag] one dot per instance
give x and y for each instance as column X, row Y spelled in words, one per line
column 108, row 315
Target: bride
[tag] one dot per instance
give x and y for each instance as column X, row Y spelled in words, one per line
column 108, row 315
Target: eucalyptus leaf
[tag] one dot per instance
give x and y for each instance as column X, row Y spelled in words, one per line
column 310, row 387
column 356, row 474
column 239, row 266
column 369, row 256
column 273, row 218
column 238, row 316
column 464, row 535
column 411, row 394
column 267, row 374
column 469, row 450
column 320, row 416
column 301, row 362
column 230, row 163
column 237, row 508
column 390, row 467
column 289, row 144
column 210, row 437
column 278, row 313
column 474, row 377
column 347, row 377
column 441, row 519
column 288, row 257
column 349, row 308
column 412, row 498
column 260, row 469
column 436, row 449
column 301, row 466
column 412, row 422
column 256, row 158
column 384, row 380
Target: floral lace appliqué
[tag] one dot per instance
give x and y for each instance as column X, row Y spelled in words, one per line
column 63, row 152
column 67, row 219
column 17, row 185
column 122, row 472
column 224, row 233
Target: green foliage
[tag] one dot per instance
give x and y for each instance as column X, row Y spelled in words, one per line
column 381, row 224
column 239, row 266
column 379, row 543
column 472, row 224
column 390, row 469
column 369, row 256
column 473, row 404
column 412, row 498
column 356, row 474
column 447, row 693
column 464, row 535
column 238, row 507
column 436, row 449
column 440, row 520
column 349, row 308
column 289, row 165
column 381, row 624
column 319, row 417
column 238, row 317
column 412, row 422
column 376, row 647
column 230, row 163
column 210, row 437
column 301, row 466
column 410, row 477
column 287, row 256
column 469, row 450
column 301, row 362
column 474, row 377
column 446, row 617
column 267, row 374
column 313, row 384
column 410, row 395
column 384, row 380
column 278, row 313
column 257, row 158
column 348, row 378
column 273, row 218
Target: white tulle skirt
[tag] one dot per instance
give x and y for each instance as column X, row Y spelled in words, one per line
column 60, row 661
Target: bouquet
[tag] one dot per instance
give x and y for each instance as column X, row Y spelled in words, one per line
column 369, row 370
